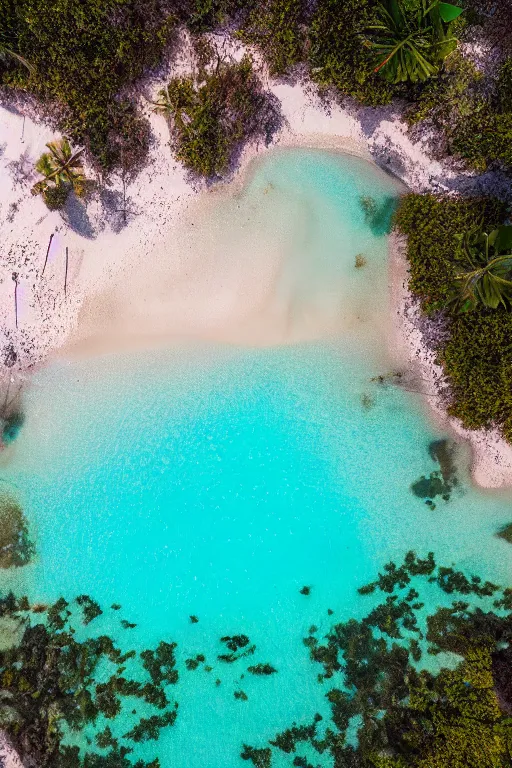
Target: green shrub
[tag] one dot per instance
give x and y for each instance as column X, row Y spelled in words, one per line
column 278, row 28
column 55, row 197
column 83, row 53
column 448, row 98
column 205, row 15
column 504, row 88
column 477, row 358
column 338, row 56
column 212, row 118
column 477, row 353
column 485, row 135
column 432, row 224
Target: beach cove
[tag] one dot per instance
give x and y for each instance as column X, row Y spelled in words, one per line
column 255, row 469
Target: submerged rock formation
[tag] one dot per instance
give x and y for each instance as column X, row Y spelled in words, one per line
column 16, row 548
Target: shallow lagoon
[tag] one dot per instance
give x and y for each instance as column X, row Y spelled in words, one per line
column 217, row 481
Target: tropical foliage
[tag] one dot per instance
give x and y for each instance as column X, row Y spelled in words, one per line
column 279, row 28
column 410, row 45
column 83, row 52
column 484, row 135
column 489, row 278
column 210, row 118
column 62, row 170
column 337, row 54
column 476, row 347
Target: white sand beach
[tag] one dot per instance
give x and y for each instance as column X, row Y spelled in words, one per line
column 104, row 240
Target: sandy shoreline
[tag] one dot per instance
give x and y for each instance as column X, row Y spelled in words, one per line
column 100, row 243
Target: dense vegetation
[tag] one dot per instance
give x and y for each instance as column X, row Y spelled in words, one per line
column 82, row 54
column 476, row 351
column 81, row 59
column 210, row 116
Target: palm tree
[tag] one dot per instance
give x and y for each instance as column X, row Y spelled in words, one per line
column 62, row 167
column 489, row 279
column 410, row 46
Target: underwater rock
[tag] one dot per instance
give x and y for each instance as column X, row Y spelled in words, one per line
column 12, row 426
column 239, row 647
column 192, row 664
column 16, row 549
column 160, row 664
column 384, row 379
column 240, row 695
column 90, row 608
column 305, row 590
column 360, row 261
column 262, row 669
column 148, row 729
column 443, row 452
column 506, row 533
column 194, row 619
column 378, row 217
column 235, row 642
column 366, row 401
column 260, row 758
column 441, row 482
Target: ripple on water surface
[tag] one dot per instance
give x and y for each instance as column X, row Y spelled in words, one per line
column 218, row 482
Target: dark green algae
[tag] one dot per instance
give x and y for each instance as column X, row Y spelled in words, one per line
column 369, row 673
column 443, row 481
column 16, row 548
column 385, row 709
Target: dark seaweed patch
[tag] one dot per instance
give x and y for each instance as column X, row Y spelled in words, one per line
column 441, row 482
column 239, row 647
column 506, row 533
column 16, row 549
column 12, row 427
column 378, row 217
column 262, row 669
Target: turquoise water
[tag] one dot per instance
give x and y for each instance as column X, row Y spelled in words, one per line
column 218, row 481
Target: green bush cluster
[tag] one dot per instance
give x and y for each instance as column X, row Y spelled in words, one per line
column 477, row 358
column 477, row 126
column 279, row 28
column 449, row 98
column 432, row 224
column 83, row 52
column 338, row 56
column 212, row 116
column 477, row 352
